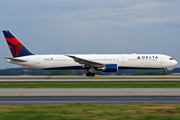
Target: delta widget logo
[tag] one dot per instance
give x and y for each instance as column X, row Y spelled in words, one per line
column 147, row 57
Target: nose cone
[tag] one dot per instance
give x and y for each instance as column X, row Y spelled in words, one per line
column 174, row 62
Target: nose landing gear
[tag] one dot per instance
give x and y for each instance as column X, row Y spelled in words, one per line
column 165, row 70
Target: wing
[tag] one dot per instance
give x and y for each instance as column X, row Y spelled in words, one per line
column 15, row 60
column 85, row 62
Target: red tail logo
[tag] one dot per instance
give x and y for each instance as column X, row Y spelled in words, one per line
column 16, row 47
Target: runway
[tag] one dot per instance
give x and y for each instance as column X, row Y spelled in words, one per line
column 46, row 96
column 38, row 80
column 89, row 100
column 89, row 92
column 96, row 77
column 89, row 80
column 84, row 77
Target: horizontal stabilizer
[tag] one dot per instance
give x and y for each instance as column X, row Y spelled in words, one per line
column 15, row 59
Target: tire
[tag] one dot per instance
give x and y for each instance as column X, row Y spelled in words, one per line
column 90, row 74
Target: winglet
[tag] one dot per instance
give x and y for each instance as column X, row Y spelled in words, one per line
column 16, row 47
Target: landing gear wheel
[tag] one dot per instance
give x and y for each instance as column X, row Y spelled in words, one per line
column 90, row 74
column 165, row 70
column 93, row 74
column 87, row 74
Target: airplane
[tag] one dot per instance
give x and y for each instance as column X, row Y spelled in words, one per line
column 90, row 62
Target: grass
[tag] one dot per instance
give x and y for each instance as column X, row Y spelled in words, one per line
column 93, row 85
column 90, row 112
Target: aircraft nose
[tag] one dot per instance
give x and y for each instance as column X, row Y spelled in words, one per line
column 174, row 62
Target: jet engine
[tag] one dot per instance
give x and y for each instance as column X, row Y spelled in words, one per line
column 109, row 68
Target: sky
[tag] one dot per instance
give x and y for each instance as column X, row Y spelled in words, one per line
column 92, row 26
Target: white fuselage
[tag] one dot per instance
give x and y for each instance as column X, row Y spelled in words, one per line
column 122, row 60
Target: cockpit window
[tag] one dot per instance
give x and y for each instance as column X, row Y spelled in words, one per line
column 171, row 59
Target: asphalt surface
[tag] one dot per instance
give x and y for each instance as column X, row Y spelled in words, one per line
column 84, row 77
column 35, row 79
column 89, row 92
column 89, row 100
column 38, row 80
column 45, row 96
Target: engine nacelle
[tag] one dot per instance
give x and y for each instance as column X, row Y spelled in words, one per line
column 109, row 68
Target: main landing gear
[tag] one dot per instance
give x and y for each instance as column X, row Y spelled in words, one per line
column 165, row 70
column 90, row 72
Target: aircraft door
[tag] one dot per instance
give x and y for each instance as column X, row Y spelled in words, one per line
column 162, row 60
column 123, row 60
column 38, row 60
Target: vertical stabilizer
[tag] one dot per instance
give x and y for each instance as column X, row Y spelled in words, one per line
column 16, row 47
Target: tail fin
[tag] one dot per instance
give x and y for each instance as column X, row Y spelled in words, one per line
column 16, row 47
